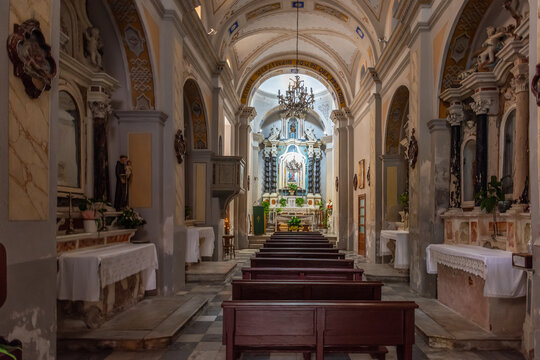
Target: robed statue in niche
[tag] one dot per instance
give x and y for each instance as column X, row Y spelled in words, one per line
column 292, row 128
column 123, row 173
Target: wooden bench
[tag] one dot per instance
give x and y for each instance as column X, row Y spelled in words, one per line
column 278, row 233
column 299, row 250
column 322, row 326
column 297, row 262
column 310, row 255
column 298, row 237
column 301, row 274
column 297, row 245
column 305, row 290
column 298, row 240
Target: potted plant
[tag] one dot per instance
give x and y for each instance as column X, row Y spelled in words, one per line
column 489, row 199
column 10, row 350
column 283, row 202
column 299, row 202
column 294, row 224
column 292, row 188
column 92, row 213
column 279, row 210
column 130, row 219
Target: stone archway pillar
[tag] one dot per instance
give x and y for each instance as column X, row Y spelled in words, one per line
column 242, row 136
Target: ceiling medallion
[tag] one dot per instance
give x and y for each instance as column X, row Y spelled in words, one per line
column 296, row 101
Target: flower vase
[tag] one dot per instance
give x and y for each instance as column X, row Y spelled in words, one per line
column 90, row 225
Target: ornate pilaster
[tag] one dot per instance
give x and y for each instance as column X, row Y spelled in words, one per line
column 311, row 164
column 520, row 85
column 455, row 117
column 267, row 185
column 99, row 103
column 317, row 173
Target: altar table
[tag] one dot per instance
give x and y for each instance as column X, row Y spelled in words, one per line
column 195, row 248
column 492, row 265
column 401, row 258
column 83, row 273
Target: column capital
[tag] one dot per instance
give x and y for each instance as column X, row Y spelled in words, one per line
column 456, row 114
column 245, row 114
column 485, row 102
column 520, row 82
column 437, row 125
column 339, row 118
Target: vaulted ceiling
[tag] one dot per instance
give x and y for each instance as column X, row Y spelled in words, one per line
column 340, row 35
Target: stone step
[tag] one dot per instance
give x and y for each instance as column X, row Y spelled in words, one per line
column 210, row 271
column 151, row 324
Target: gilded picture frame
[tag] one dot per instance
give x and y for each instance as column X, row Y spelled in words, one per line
column 362, row 174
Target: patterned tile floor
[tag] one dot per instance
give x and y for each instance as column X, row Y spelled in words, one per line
column 201, row 339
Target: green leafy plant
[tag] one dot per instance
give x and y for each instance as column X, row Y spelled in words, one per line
column 299, row 202
column 320, row 204
column 294, row 222
column 11, row 350
column 404, row 200
column 266, row 205
column 130, row 219
column 283, row 202
column 293, row 187
column 488, row 200
column 279, row 210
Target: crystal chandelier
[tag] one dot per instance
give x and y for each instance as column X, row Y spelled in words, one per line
column 296, row 101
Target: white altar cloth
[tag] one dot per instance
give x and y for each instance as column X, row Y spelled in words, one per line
column 492, row 265
column 82, row 274
column 401, row 260
column 194, row 250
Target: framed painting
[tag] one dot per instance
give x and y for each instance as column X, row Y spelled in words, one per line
column 362, row 174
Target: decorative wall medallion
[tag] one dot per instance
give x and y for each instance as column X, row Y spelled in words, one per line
column 134, row 40
column 355, row 182
column 460, row 47
column 368, row 176
column 413, row 150
column 31, row 57
column 179, row 146
column 337, row 184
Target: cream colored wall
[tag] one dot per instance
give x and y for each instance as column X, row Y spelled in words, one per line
column 140, row 153
column 199, row 182
column 362, row 150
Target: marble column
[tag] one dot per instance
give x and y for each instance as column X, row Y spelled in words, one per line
column 455, row 117
column 340, row 120
column 521, row 131
column 310, row 171
column 317, row 174
column 481, row 107
column 100, row 114
column 244, row 117
column 273, row 171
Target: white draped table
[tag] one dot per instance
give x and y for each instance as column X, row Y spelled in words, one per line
column 200, row 242
column 492, row 265
column 83, row 273
column 401, row 258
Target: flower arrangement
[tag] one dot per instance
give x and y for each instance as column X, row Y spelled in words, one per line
column 299, row 202
column 279, row 210
column 292, row 188
column 283, row 202
column 294, row 223
column 130, row 219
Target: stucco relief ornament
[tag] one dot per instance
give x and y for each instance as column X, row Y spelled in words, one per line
column 179, row 146
column 412, row 152
column 31, row 57
column 355, row 182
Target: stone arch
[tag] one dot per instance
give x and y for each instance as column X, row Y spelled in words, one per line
column 311, row 66
column 397, row 118
column 459, row 45
column 195, row 109
column 137, row 52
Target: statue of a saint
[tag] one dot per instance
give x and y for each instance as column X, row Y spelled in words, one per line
column 93, row 45
column 121, row 195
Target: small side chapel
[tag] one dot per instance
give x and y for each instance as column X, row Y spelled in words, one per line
column 163, row 163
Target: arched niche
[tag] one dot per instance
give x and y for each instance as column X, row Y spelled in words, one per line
column 196, row 137
column 396, row 169
column 292, row 168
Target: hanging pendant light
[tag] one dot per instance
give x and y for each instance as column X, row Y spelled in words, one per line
column 296, row 101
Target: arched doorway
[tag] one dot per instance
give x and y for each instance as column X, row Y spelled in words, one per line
column 396, row 170
column 196, row 137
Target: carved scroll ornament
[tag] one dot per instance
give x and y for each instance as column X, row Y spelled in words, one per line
column 31, row 57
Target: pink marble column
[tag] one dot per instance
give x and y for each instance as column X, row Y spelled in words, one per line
column 521, row 132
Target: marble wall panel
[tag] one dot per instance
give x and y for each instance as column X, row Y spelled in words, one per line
column 28, row 130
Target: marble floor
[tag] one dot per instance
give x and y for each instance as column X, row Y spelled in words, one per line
column 201, row 338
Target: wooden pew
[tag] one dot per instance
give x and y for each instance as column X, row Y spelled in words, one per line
column 297, row 240
column 347, row 326
column 298, row 245
column 299, row 250
column 277, row 233
column 305, row 290
column 298, row 237
column 301, row 274
column 309, row 255
column 297, row 262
